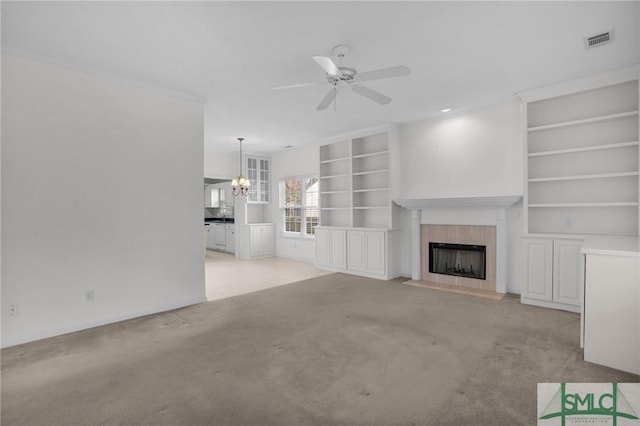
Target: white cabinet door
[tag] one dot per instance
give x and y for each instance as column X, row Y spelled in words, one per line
column 211, row 240
column 375, row 252
column 262, row 240
column 230, row 230
column 338, row 250
column 257, row 245
column 331, row 248
column 539, row 269
column 220, row 236
column 258, row 173
column 356, row 250
column 359, row 251
column 322, row 246
column 567, row 261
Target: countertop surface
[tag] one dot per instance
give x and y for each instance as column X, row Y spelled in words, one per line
column 612, row 246
column 218, row 220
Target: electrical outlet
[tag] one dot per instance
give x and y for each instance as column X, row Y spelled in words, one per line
column 13, row 310
column 89, row 296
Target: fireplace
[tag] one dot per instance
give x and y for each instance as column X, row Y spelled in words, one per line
column 460, row 260
column 459, row 255
column 445, row 219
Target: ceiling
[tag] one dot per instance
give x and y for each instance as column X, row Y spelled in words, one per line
column 231, row 54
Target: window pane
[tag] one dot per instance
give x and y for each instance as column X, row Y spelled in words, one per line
column 292, row 193
column 312, row 217
column 293, row 219
column 311, row 192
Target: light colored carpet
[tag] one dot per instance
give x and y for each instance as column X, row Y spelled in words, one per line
column 332, row 350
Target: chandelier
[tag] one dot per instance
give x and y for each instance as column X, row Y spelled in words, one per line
column 241, row 184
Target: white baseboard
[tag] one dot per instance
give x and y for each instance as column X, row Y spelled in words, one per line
column 298, row 259
column 44, row 334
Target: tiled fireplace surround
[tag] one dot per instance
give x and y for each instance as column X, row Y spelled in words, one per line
column 471, row 220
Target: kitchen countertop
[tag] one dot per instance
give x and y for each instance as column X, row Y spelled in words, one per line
column 612, row 246
column 218, row 220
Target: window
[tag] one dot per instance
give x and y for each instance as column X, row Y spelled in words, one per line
column 299, row 204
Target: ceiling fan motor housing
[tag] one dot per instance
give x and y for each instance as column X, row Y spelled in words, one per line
column 346, row 75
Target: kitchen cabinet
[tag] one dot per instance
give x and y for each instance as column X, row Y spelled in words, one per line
column 220, row 236
column 230, row 230
column 258, row 173
column 210, row 238
column 553, row 273
column 359, row 251
column 256, row 240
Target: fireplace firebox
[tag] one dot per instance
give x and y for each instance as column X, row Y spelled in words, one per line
column 461, row 260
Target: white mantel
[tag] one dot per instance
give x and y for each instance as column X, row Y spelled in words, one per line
column 468, row 211
column 495, row 202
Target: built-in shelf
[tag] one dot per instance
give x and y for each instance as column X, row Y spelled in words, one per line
column 583, row 121
column 371, row 190
column 371, row 172
column 581, row 177
column 582, row 164
column 371, row 154
column 355, row 182
column 612, row 204
column 333, row 160
column 370, row 207
column 335, row 176
column 584, row 149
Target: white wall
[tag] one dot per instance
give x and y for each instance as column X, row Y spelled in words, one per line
column 221, row 165
column 294, row 162
column 475, row 153
column 102, row 191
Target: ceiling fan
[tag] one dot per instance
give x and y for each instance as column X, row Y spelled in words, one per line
column 339, row 76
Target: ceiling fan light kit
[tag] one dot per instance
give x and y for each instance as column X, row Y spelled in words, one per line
column 241, row 184
column 339, row 76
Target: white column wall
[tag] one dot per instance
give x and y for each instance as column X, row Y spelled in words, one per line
column 102, row 192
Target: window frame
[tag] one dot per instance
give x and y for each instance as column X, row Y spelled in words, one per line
column 304, row 224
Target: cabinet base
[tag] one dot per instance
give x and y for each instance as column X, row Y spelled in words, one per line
column 551, row 305
column 358, row 273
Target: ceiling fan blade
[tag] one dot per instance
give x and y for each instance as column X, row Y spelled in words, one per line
column 294, row 86
column 327, row 64
column 328, row 98
column 371, row 94
column 381, row 73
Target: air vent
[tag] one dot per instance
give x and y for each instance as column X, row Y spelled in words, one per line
column 598, row 40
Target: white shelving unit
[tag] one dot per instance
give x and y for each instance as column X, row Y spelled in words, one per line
column 582, row 180
column 354, row 183
column 355, row 233
column 583, row 162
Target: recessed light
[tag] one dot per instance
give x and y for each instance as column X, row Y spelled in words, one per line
column 446, row 109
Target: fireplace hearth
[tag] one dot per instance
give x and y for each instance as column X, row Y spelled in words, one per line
column 460, row 260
